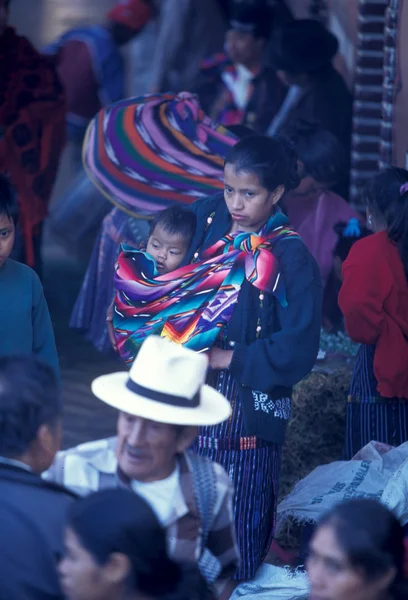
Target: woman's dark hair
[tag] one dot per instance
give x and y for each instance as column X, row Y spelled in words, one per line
column 372, row 539
column 29, row 398
column 176, row 220
column 385, row 201
column 272, row 159
column 321, row 153
column 120, row 521
column 8, row 199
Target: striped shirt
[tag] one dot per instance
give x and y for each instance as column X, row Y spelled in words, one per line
column 93, row 466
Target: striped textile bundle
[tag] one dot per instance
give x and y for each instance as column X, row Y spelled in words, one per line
column 189, row 306
column 148, row 153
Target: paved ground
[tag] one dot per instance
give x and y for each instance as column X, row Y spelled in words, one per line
column 86, row 417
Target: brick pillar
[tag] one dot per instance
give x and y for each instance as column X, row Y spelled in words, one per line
column 391, row 82
column 368, row 94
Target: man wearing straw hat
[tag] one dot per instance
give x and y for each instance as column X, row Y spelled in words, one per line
column 161, row 401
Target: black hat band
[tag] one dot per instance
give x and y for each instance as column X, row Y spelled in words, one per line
column 170, row 399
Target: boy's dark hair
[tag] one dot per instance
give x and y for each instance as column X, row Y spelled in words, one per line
column 29, row 398
column 176, row 221
column 320, row 151
column 8, row 199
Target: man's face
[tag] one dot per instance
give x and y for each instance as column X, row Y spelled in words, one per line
column 243, row 48
column 4, row 14
column 146, row 450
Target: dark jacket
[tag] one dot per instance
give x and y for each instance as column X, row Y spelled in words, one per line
column 284, row 351
column 266, row 95
column 329, row 101
column 32, row 519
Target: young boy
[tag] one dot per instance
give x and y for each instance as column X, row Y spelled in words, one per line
column 171, row 234
column 25, row 324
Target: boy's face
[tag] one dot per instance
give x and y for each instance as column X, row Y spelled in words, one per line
column 167, row 249
column 7, row 232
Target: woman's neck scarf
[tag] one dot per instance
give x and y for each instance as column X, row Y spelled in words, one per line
column 190, row 305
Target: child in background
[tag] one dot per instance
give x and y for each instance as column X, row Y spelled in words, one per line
column 171, row 234
column 348, row 234
column 25, row 324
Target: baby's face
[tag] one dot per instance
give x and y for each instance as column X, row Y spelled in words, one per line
column 167, row 249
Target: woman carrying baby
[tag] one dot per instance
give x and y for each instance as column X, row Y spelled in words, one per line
column 250, row 295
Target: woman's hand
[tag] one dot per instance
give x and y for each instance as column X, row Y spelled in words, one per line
column 220, row 359
column 109, row 325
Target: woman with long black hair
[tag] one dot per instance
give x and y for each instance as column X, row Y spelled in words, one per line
column 357, row 552
column 272, row 337
column 374, row 302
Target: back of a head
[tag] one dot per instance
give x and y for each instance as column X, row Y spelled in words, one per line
column 8, row 199
column 386, row 196
column 372, row 538
column 320, row 151
column 120, row 521
column 29, row 398
column 176, row 220
column 272, row 159
column 304, row 46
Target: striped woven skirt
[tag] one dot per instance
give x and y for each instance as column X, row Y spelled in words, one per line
column 253, row 467
column 370, row 417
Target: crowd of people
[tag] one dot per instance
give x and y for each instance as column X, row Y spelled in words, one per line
column 226, row 242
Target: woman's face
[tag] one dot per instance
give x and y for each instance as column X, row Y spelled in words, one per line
column 82, row 578
column 250, row 205
column 331, row 575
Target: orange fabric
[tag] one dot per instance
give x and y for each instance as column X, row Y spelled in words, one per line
column 132, row 13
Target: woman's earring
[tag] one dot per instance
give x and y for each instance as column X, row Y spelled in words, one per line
column 370, row 221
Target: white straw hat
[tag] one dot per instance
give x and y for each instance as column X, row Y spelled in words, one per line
column 165, row 384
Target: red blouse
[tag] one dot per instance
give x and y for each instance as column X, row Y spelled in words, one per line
column 374, row 302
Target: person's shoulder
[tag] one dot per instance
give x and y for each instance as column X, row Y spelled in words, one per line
column 203, row 207
column 21, row 272
column 221, row 479
column 90, row 450
column 295, row 260
column 371, row 247
column 78, row 468
column 373, row 242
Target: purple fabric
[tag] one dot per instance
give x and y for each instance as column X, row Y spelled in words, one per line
column 313, row 218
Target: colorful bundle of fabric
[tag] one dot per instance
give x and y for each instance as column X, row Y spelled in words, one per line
column 190, row 305
column 148, row 153
column 194, row 140
column 32, row 129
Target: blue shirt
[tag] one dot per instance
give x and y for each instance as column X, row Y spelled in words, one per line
column 25, row 324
